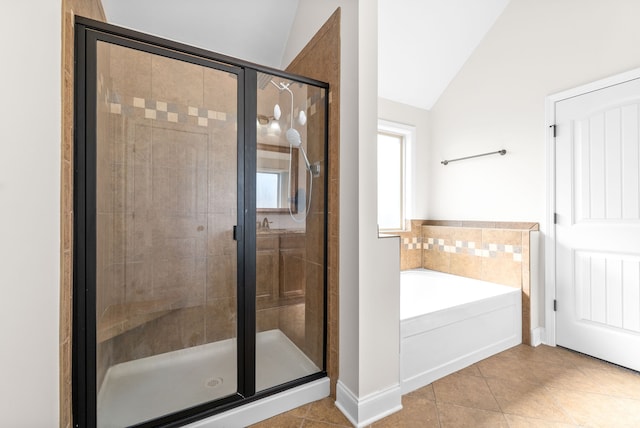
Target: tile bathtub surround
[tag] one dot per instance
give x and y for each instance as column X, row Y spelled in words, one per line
column 520, row 387
column 433, row 244
column 493, row 255
column 413, row 240
column 411, row 244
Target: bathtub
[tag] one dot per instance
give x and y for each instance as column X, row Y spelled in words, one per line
column 449, row 322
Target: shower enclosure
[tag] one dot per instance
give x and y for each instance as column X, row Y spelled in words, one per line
column 199, row 230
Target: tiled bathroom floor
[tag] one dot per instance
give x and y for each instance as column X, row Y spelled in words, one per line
column 521, row 387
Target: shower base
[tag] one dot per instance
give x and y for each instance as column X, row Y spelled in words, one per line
column 142, row 389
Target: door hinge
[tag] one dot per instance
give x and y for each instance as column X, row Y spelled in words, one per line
column 555, row 218
column 235, row 233
column 555, row 305
column 553, row 129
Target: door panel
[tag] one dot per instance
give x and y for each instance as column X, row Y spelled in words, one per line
column 166, row 202
column 607, row 289
column 598, row 229
column 290, row 278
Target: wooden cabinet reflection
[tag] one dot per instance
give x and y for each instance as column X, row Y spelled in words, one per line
column 280, row 269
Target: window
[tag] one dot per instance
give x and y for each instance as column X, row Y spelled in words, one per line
column 268, row 190
column 393, row 172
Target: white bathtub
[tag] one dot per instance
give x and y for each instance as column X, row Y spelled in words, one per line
column 449, row 322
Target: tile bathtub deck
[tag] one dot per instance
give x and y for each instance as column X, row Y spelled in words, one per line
column 521, row 387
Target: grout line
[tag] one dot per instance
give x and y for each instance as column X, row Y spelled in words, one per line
column 565, row 360
column 437, row 410
column 558, row 405
column 493, row 395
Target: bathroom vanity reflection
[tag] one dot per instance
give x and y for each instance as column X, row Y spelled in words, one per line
column 280, row 277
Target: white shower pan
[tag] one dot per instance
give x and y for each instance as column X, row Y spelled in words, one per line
column 139, row 390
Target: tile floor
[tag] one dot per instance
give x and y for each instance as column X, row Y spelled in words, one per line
column 521, row 387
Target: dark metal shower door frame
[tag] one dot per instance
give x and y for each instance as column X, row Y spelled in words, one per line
column 84, row 389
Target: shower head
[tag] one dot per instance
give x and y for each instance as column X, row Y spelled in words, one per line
column 293, row 137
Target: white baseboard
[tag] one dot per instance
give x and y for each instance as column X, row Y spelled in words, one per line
column 364, row 411
column 268, row 407
column 538, row 336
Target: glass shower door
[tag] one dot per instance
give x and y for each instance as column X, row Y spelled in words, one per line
column 166, row 258
column 290, row 230
column 188, row 300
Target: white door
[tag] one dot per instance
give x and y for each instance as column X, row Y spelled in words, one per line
column 598, row 223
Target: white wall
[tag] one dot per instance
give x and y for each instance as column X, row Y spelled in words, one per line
column 30, row 35
column 536, row 48
column 379, row 267
column 369, row 267
column 419, row 119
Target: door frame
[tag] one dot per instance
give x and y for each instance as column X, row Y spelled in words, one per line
column 549, row 337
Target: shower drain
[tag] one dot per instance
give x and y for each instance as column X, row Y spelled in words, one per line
column 214, row 382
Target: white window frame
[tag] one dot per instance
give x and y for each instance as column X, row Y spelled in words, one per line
column 408, row 134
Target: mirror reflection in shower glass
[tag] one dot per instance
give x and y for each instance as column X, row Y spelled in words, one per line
column 276, row 186
column 166, row 259
column 290, row 234
column 268, row 190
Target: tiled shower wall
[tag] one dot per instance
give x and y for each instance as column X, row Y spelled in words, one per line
column 166, row 205
column 320, row 59
column 176, row 269
column 497, row 252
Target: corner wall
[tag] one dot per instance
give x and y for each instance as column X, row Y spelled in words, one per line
column 536, row 48
column 368, row 388
column 320, row 59
column 30, row 212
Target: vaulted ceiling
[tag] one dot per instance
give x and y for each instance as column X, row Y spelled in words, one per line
column 422, row 43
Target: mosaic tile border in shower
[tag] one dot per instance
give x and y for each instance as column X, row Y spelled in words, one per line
column 166, row 111
column 175, row 113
